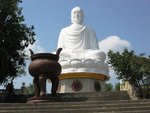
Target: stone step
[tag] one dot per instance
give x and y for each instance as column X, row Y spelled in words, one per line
column 78, row 107
column 103, row 96
column 118, row 102
column 88, row 96
column 82, row 110
column 75, row 106
column 104, row 102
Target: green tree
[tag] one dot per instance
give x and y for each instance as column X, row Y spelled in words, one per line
column 117, row 87
column 15, row 36
column 29, row 89
column 132, row 68
column 109, row 87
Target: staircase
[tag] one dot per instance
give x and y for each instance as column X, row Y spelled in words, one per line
column 104, row 102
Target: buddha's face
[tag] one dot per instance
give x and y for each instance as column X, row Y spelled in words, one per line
column 77, row 15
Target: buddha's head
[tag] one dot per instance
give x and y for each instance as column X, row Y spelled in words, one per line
column 77, row 15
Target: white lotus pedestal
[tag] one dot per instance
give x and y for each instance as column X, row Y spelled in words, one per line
column 83, row 76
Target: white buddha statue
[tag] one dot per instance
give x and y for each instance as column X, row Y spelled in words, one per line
column 79, row 43
column 77, row 40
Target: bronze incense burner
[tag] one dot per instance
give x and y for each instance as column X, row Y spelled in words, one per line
column 45, row 66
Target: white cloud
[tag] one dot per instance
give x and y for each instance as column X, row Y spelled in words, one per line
column 114, row 43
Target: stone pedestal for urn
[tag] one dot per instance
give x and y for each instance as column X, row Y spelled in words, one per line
column 44, row 66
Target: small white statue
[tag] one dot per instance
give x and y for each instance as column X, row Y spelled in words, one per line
column 79, row 41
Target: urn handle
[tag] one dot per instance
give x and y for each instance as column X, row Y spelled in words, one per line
column 58, row 51
column 31, row 52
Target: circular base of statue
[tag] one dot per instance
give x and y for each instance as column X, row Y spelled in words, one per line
column 83, row 75
column 81, row 82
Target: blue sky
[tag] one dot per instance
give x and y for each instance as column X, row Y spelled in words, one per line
column 117, row 23
column 128, row 19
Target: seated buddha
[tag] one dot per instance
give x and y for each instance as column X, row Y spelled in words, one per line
column 80, row 46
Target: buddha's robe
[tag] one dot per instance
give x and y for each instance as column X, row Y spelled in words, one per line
column 77, row 37
column 78, row 42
